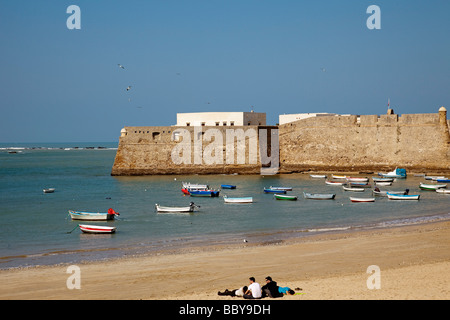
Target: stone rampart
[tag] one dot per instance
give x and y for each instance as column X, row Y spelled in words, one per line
column 418, row 142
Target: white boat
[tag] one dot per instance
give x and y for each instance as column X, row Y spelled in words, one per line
column 189, row 208
column 335, row 183
column 354, row 199
column 397, row 173
column 377, row 179
column 238, row 200
column 49, row 190
column 443, row 191
column 334, row 176
column 319, row 196
column 378, row 183
column 403, row 196
column 281, row 188
column 424, row 186
column 353, row 189
column 96, row 229
column 378, row 192
column 318, row 176
column 357, row 179
column 93, row 216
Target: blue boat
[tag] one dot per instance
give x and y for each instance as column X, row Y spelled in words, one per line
column 274, row 191
column 443, row 180
column 204, row 193
column 228, row 186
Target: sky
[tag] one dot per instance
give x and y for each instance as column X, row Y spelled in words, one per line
column 279, row 57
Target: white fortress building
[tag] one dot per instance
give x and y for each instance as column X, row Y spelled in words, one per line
column 221, row 119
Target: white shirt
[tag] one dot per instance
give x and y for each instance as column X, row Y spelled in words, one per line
column 256, row 289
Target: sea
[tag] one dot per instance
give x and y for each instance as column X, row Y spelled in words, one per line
column 36, row 229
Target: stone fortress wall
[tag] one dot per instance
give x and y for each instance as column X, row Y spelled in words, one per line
column 417, row 142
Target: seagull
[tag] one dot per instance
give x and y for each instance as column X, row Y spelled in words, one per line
column 128, row 88
column 121, row 66
column 323, row 69
column 245, row 240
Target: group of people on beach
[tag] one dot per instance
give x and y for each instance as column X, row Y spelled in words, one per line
column 255, row 291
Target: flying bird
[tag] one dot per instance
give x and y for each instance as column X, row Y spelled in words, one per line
column 128, row 88
column 121, row 66
column 323, row 69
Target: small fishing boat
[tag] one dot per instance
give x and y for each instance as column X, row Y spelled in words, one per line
column 204, row 193
column 188, row 187
column 443, row 191
column 354, row 199
column 228, row 186
column 49, row 190
column 403, row 196
column 424, row 186
column 281, row 188
column 397, row 173
column 238, row 200
column 443, row 180
column 318, row 176
column 96, row 229
column 284, row 197
column 382, row 183
column 189, row 208
column 319, row 196
column 378, row 192
column 359, row 184
column 273, row 191
column 354, row 189
column 434, row 178
column 334, row 176
column 335, row 183
column 357, row 179
column 93, row 216
column 376, row 179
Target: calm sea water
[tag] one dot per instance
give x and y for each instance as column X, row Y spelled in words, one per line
column 35, row 228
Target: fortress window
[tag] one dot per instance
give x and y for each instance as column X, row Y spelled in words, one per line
column 231, row 123
column 217, row 124
column 188, row 124
column 203, row 124
column 156, row 135
column 224, row 123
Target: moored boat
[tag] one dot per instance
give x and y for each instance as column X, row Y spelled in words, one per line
column 354, row 199
column 335, row 183
column 281, row 188
column 319, row 196
column 382, row 183
column 442, row 180
column 357, row 179
column 284, row 197
column 378, row 192
column 403, row 196
column 397, row 173
column 238, row 199
column 334, row 176
column 378, row 179
column 273, row 191
column 93, row 216
column 424, row 186
column 49, row 190
column 228, row 186
column 354, row 189
column 96, row 229
column 204, row 193
column 318, row 176
column 164, row 209
column 443, row 191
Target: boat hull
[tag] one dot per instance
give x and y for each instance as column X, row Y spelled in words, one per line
column 353, row 199
column 96, row 229
column 274, row 191
column 228, row 186
column 284, row 197
column 203, row 193
column 91, row 216
column 403, row 197
column 319, row 196
column 432, row 186
column 163, row 209
column 238, row 200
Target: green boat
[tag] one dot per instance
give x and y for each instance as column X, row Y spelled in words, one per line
column 284, row 197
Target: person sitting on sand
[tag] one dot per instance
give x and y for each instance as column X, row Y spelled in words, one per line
column 286, row 291
column 254, row 290
column 270, row 289
column 234, row 293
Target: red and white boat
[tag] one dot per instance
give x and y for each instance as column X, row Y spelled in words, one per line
column 353, row 199
column 96, row 229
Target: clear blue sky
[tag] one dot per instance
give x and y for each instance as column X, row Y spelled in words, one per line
column 61, row 85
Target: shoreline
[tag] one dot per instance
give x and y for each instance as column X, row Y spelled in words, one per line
column 414, row 261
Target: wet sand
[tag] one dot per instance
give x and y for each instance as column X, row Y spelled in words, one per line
column 414, row 263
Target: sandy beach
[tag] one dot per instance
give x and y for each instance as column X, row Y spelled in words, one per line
column 414, row 263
